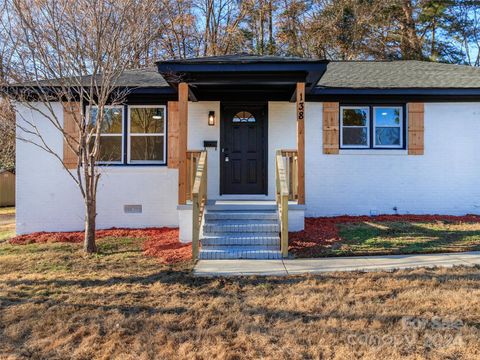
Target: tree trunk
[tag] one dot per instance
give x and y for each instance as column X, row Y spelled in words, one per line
column 89, row 245
column 410, row 45
column 270, row 29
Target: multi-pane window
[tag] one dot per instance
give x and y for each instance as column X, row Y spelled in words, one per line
column 388, row 124
column 243, row 117
column 142, row 131
column 355, row 122
column 371, row 127
column 111, row 133
column 146, row 134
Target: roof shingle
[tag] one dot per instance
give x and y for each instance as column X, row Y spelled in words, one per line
column 399, row 74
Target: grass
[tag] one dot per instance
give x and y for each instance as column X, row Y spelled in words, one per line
column 57, row 303
column 9, row 210
column 7, row 223
column 406, row 237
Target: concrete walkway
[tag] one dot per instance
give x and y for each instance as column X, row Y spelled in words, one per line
column 320, row 265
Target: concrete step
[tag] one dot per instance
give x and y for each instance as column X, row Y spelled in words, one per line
column 248, row 206
column 241, row 215
column 241, row 230
column 240, row 226
column 246, row 239
column 239, row 253
column 241, row 221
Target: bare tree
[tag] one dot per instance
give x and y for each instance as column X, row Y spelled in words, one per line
column 74, row 52
column 7, row 138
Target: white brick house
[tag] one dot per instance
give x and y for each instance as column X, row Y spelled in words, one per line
column 372, row 138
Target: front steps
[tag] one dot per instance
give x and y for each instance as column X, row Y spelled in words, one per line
column 240, row 232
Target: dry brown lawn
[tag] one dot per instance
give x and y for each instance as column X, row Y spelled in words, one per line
column 55, row 303
column 7, row 223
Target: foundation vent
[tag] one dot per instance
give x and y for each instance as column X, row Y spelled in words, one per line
column 132, row 209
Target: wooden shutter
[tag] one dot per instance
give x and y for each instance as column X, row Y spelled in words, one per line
column 173, row 134
column 416, row 128
column 331, row 127
column 71, row 117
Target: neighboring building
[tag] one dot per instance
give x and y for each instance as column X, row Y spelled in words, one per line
column 7, row 188
column 369, row 138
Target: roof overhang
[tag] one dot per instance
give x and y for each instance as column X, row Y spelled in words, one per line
column 252, row 80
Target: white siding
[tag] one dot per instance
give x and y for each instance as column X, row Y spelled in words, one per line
column 198, row 131
column 48, row 199
column 282, row 134
column 445, row 180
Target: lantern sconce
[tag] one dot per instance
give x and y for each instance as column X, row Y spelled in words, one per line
column 211, row 118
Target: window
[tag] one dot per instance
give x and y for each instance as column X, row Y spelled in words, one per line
column 243, row 117
column 388, row 125
column 111, row 133
column 355, row 122
column 376, row 127
column 146, row 134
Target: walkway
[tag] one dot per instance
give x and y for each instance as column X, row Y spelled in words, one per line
column 320, row 265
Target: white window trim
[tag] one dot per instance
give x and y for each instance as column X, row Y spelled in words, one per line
column 129, row 135
column 343, row 146
column 375, row 127
column 120, row 107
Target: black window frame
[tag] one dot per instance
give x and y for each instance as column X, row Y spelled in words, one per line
column 125, row 135
column 371, row 129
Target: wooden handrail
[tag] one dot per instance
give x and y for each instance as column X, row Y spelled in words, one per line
column 192, row 161
column 282, row 201
column 199, row 201
column 291, row 170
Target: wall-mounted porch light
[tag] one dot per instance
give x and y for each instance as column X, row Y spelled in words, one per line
column 211, row 118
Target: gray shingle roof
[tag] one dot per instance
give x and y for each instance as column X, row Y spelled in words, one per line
column 399, row 74
column 339, row 74
column 144, row 77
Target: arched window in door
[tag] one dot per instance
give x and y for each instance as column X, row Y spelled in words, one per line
column 243, row 117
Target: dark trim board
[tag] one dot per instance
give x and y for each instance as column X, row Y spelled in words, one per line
column 357, row 96
column 284, row 93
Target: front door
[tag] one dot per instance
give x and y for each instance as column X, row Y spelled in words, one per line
column 243, row 149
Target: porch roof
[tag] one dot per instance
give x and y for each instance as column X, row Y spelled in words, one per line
column 250, row 77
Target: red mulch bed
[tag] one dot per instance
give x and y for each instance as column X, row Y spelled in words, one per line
column 162, row 243
column 323, row 231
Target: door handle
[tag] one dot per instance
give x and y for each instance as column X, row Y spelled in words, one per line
column 227, row 159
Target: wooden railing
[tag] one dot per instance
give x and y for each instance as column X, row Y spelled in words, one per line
column 291, row 172
column 192, row 161
column 199, row 201
column 282, row 200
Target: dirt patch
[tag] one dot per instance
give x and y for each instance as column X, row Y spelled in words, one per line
column 162, row 243
column 323, row 231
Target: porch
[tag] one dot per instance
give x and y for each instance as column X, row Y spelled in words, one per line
column 232, row 216
column 254, row 192
column 238, row 227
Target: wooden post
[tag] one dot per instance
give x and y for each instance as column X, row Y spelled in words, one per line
column 182, row 142
column 301, row 141
column 199, row 201
column 282, row 201
column 284, row 225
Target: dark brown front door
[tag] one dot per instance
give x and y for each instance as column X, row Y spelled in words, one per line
column 243, row 149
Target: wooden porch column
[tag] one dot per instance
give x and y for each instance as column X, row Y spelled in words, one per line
column 301, row 141
column 182, row 142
